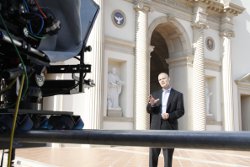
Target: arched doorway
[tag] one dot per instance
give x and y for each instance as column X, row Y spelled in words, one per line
column 158, row 58
column 170, row 42
column 172, row 53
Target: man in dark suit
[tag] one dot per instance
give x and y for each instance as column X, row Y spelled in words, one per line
column 165, row 106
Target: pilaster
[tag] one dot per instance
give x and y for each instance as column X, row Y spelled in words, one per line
column 94, row 96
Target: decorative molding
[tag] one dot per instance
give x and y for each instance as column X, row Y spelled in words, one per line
column 119, row 45
column 227, row 33
column 118, row 119
column 243, row 85
column 211, row 121
column 180, row 61
column 170, row 17
column 212, row 65
column 233, row 9
column 181, row 53
column 215, row 8
column 200, row 25
column 179, row 9
column 175, row 4
column 188, row 60
column 244, row 82
column 213, row 22
column 220, row 8
column 183, row 9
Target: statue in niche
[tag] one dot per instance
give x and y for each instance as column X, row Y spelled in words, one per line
column 114, row 90
column 208, row 97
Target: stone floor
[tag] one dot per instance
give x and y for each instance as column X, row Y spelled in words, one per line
column 107, row 156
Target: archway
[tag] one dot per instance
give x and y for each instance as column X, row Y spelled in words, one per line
column 172, row 53
column 158, row 58
column 169, row 40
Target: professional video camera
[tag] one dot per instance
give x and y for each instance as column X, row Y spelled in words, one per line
column 34, row 36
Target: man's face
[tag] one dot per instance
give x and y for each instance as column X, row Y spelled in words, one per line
column 163, row 80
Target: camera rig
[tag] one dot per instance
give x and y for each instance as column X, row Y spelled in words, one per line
column 34, row 36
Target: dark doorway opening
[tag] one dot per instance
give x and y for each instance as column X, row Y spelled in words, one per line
column 158, row 59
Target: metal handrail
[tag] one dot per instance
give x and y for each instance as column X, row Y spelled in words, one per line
column 142, row 138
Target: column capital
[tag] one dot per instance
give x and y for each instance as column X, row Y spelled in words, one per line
column 200, row 25
column 141, row 6
column 200, row 16
column 227, row 33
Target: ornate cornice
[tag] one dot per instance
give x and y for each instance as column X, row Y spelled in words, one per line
column 233, row 9
column 215, row 7
column 184, row 7
column 218, row 7
column 169, row 6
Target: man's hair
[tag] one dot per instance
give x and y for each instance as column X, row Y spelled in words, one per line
column 163, row 73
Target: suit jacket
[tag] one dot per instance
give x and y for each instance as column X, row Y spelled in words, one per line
column 175, row 108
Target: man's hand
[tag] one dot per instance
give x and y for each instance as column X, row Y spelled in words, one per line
column 152, row 100
column 165, row 116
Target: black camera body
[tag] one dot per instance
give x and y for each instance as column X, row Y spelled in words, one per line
column 26, row 20
column 33, row 35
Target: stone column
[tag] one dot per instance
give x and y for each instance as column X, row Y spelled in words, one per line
column 93, row 97
column 199, row 101
column 141, row 66
column 226, row 35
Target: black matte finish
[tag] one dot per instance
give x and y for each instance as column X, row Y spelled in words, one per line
column 143, row 138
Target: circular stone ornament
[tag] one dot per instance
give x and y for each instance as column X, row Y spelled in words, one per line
column 118, row 18
column 210, row 43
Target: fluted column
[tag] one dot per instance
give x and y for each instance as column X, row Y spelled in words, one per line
column 199, row 102
column 141, row 66
column 198, row 89
column 150, row 50
column 227, row 79
column 93, row 97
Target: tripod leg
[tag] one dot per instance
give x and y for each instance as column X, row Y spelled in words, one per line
column 13, row 157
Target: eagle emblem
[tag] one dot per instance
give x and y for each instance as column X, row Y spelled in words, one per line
column 118, row 18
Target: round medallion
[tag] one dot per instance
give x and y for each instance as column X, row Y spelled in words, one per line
column 118, row 18
column 210, row 43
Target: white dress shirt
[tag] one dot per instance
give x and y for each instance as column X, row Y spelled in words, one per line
column 164, row 99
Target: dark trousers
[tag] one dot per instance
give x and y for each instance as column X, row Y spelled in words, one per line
column 154, row 154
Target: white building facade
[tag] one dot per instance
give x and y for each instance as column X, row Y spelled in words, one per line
column 202, row 44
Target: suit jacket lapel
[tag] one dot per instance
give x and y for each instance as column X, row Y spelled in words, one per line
column 159, row 95
column 171, row 95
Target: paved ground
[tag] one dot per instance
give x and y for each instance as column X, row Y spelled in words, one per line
column 106, row 156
